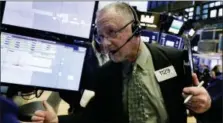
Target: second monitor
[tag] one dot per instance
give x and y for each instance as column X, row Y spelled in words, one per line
column 40, row 63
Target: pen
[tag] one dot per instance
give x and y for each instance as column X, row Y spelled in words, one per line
column 190, row 96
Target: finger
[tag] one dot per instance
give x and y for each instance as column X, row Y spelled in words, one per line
column 33, row 122
column 48, row 106
column 192, row 91
column 193, row 104
column 36, row 118
column 37, row 122
column 195, row 79
column 192, row 108
column 40, row 113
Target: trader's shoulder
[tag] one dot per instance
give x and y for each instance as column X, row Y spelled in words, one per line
column 164, row 48
column 168, row 51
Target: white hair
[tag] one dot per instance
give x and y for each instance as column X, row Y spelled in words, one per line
column 120, row 8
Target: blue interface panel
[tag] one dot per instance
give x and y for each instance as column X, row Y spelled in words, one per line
column 171, row 41
column 149, row 36
column 42, row 63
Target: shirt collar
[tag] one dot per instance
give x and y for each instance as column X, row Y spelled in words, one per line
column 144, row 55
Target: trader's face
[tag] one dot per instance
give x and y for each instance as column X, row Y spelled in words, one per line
column 111, row 37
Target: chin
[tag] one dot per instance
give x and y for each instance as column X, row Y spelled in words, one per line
column 116, row 59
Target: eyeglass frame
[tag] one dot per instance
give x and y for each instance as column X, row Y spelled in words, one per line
column 115, row 33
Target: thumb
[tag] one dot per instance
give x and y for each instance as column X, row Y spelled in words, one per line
column 195, row 79
column 47, row 106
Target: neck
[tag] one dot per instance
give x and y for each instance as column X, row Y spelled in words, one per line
column 135, row 52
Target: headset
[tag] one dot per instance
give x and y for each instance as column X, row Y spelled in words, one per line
column 136, row 28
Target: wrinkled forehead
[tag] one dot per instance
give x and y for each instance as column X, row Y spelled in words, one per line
column 108, row 16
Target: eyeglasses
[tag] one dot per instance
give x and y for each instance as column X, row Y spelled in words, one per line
column 110, row 36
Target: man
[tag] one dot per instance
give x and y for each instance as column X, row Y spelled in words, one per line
column 129, row 89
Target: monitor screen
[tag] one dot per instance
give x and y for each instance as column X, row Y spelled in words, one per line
column 191, row 32
column 69, row 18
column 175, row 26
column 171, row 40
column 41, row 63
column 149, row 36
column 145, row 38
column 169, row 43
column 207, row 35
column 213, row 13
column 220, row 12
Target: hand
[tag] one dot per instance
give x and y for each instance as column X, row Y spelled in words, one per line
column 200, row 101
column 47, row 116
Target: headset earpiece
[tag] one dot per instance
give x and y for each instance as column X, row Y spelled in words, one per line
column 136, row 28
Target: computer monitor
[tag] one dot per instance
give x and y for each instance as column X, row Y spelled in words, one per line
column 171, row 41
column 149, row 36
column 213, row 13
column 191, row 32
column 175, row 26
column 40, row 63
column 69, row 18
column 207, row 35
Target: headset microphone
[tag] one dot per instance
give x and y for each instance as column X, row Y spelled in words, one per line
column 133, row 34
